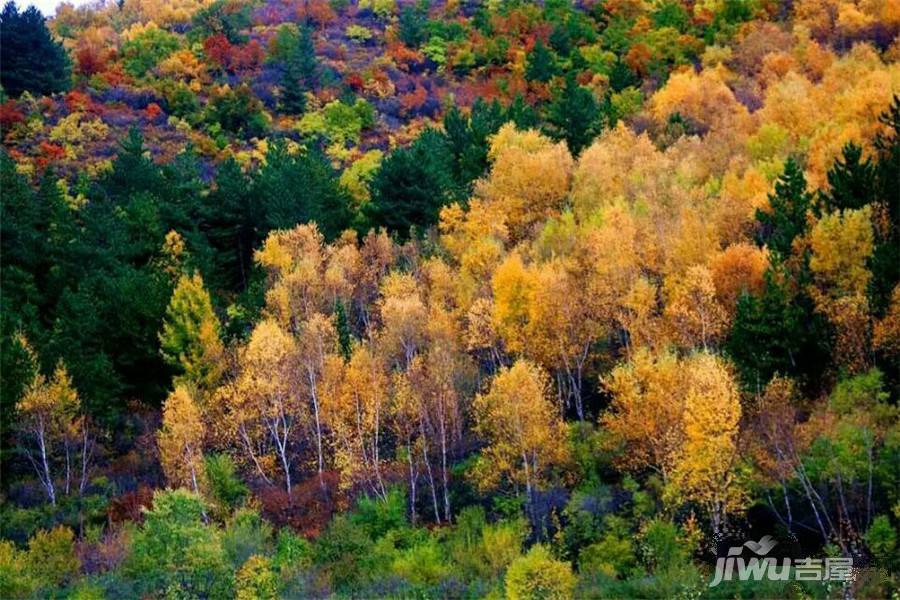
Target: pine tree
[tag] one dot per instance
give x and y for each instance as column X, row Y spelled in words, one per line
column 574, row 116
column 788, row 206
column 540, row 64
column 852, row 181
column 342, row 326
column 32, row 60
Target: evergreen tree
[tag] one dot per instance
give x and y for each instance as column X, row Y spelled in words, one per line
column 778, row 332
column 540, row 64
column 574, row 116
column 32, row 60
column 885, row 261
column 412, row 26
column 342, row 326
column 852, row 181
column 468, row 139
column 412, row 185
column 301, row 188
column 788, row 207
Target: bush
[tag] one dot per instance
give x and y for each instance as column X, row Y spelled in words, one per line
column 256, row 581
column 538, row 575
column 225, row 486
column 377, row 517
column 423, row 564
column 246, row 534
column 146, row 49
column 293, row 554
column 51, row 557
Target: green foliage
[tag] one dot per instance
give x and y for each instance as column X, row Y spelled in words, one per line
column 788, row 207
column 293, row 554
column 412, row 185
column 146, row 49
column 32, row 59
column 297, row 188
column 574, row 116
column 541, row 64
column 225, row 487
column 221, row 17
column 423, row 564
column 238, row 111
column 190, row 334
column 777, row 332
column 175, row 548
column 376, row 516
column 411, row 26
column 51, row 559
column 341, row 550
column 468, row 139
column 246, row 535
column 537, row 575
column 614, row 554
column 881, row 538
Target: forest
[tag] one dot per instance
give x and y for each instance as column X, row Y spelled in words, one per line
column 450, row 299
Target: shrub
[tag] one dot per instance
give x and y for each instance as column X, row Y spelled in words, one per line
column 225, row 486
column 256, row 581
column 537, row 575
column 246, row 534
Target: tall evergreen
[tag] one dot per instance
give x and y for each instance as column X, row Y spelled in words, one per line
column 852, row 181
column 540, row 64
column 32, row 60
column 788, row 208
column 574, row 116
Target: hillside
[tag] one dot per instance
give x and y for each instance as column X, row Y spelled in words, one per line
column 450, row 299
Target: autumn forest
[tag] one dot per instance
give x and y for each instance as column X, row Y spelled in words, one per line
column 450, row 299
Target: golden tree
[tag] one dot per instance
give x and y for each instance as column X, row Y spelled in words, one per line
column 180, row 441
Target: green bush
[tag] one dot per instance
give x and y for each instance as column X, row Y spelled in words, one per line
column 245, row 535
column 225, row 486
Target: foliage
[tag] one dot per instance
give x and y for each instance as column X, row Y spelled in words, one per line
column 32, row 59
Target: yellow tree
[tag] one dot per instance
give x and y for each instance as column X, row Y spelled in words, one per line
column 645, row 415
column 841, row 244
column 513, row 288
column 50, row 418
column 264, row 403
column 180, row 440
column 355, row 404
column 524, row 432
column 692, row 310
column 704, row 468
column 316, row 341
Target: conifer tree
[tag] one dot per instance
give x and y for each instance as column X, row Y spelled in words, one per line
column 32, row 60
column 788, row 206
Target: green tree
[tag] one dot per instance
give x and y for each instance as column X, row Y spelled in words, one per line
column 299, row 188
column 852, row 181
column 574, row 116
column 175, row 549
column 778, row 332
column 788, row 207
column 32, row 59
column 412, row 185
column 540, row 64
column 189, row 339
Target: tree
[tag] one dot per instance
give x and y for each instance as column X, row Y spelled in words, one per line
column 50, row 421
column 787, row 215
column 175, row 549
column 574, row 116
column 852, row 181
column 181, row 441
column 540, row 65
column 704, row 468
column 412, row 185
column 522, row 428
column 778, row 331
column 190, row 338
column 300, row 67
column 32, row 59
column 264, row 407
column 256, row 581
column 299, row 189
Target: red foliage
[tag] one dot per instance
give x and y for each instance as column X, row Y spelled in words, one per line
column 415, row 99
column 246, row 57
column 311, row 509
column 404, row 56
column 355, row 81
column 153, row 110
column 129, row 506
column 77, row 101
column 90, row 59
column 317, row 11
column 115, row 75
column 10, row 114
column 218, row 49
